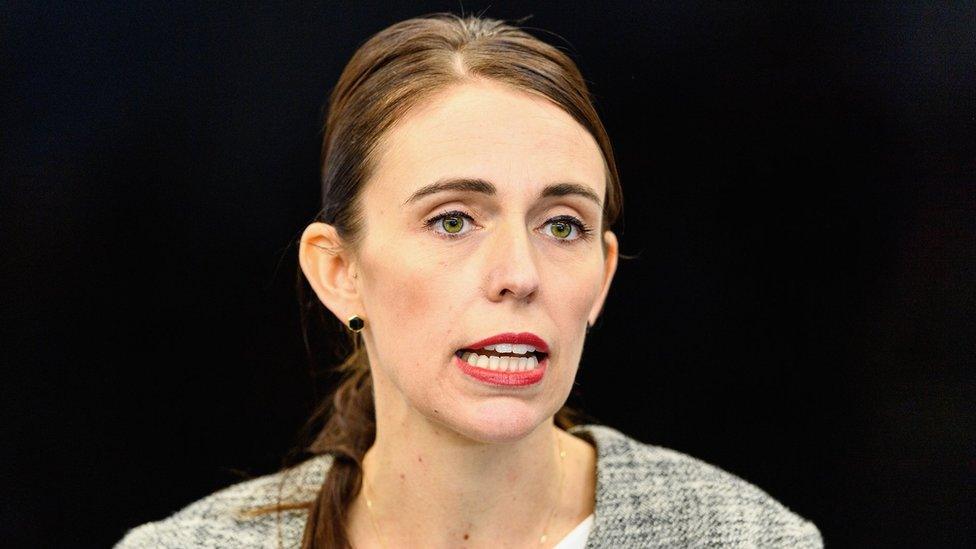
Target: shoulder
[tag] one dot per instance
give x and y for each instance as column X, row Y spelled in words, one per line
column 216, row 520
column 647, row 493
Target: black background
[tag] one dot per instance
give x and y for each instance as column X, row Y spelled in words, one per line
column 799, row 187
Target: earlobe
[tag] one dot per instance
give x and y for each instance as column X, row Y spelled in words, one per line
column 329, row 270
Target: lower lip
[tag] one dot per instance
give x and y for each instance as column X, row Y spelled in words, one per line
column 507, row 379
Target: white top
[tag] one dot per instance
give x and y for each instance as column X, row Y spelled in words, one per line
column 576, row 539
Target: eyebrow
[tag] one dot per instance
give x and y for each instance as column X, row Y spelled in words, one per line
column 477, row 185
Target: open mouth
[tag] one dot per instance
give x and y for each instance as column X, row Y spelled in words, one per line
column 503, row 357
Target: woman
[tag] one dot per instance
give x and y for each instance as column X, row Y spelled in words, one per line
column 469, row 187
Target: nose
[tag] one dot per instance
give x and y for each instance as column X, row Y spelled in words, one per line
column 512, row 269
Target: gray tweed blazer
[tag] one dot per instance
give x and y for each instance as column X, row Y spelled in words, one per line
column 646, row 496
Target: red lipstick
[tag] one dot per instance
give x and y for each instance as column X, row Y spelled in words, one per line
column 510, row 379
column 501, row 377
column 523, row 338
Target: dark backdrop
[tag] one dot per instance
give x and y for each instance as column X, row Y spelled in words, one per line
column 799, row 189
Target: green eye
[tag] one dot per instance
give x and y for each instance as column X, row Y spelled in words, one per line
column 560, row 229
column 452, row 224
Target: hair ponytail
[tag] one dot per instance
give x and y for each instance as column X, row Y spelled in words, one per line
column 347, row 435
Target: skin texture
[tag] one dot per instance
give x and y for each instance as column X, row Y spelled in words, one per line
column 454, row 457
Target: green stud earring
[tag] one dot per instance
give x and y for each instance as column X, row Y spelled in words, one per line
column 355, row 323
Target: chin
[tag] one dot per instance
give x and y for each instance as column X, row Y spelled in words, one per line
column 499, row 421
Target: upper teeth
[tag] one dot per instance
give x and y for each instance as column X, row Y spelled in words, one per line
column 513, row 348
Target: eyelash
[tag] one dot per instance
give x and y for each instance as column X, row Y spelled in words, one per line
column 582, row 228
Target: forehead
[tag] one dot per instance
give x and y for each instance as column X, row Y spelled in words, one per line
column 516, row 140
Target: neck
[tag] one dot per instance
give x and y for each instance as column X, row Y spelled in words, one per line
column 434, row 488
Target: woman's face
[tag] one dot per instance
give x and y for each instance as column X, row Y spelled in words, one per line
column 429, row 287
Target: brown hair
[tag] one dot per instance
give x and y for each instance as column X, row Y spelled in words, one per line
column 395, row 70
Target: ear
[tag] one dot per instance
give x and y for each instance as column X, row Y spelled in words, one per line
column 609, row 268
column 330, row 270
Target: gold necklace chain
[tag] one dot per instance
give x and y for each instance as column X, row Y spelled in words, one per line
column 545, row 532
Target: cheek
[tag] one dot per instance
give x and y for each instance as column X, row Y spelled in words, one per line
column 396, row 289
column 409, row 297
column 577, row 290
